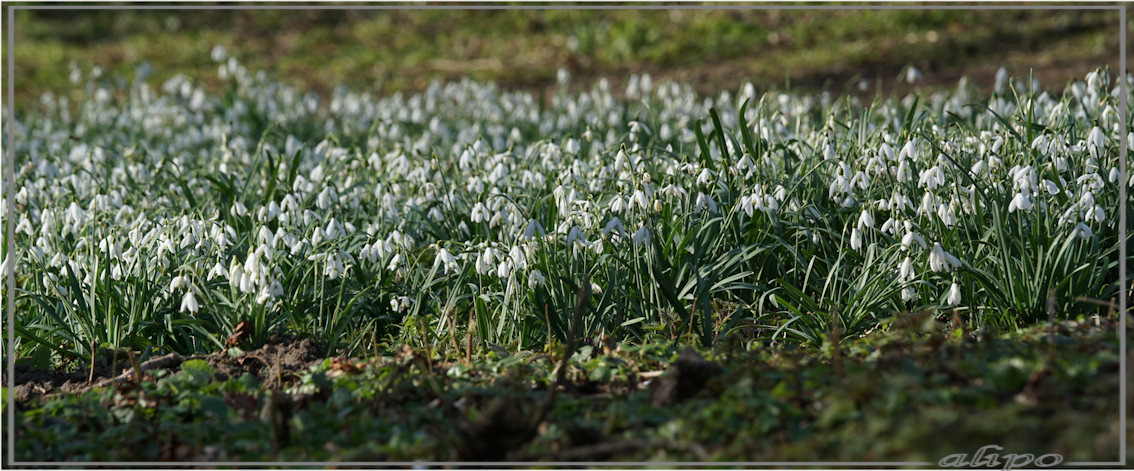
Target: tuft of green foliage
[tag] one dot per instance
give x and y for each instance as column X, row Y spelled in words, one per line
column 918, row 393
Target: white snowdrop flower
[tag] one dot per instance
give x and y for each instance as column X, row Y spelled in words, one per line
column 947, row 215
column 519, row 259
column 705, row 177
column 1021, row 202
column 276, row 289
column 575, row 234
column 890, row 226
column 217, row 270
column 705, row 202
column 263, row 296
column 238, row 209
column 639, row 199
column 316, row 236
column 912, row 237
column 1083, row 231
column 400, row 303
column 1087, row 199
column 448, row 261
column 1113, row 176
column 179, row 281
column 326, row 198
column 24, row 226
column 189, row 303
column 954, row 295
column 595, row 288
column 1051, row 187
column 673, row 191
column 479, row 212
column 887, row 151
column 865, row 219
column 504, row 268
column 616, row 226
column 1096, row 141
column 904, row 173
column 484, row 261
column 642, row 235
column 942, row 261
column 748, row 204
column 235, row 271
column 913, row 75
column 1099, row 214
column 218, row 53
column 617, row 204
column 535, row 278
column 273, row 210
column 905, row 270
column 855, row 239
column 533, row 230
column 908, row 293
column 979, row 167
column 395, row 261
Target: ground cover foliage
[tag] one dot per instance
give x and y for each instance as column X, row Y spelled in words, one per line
column 473, row 234
column 918, row 392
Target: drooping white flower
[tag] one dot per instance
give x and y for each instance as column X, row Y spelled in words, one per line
column 217, row 270
column 504, row 268
column 479, row 212
column 1022, row 202
column 642, row 235
column 615, row 226
column 519, row 259
column 447, row 261
column 1051, row 187
column 179, row 281
column 942, row 261
column 189, row 303
column 912, row 237
column 1098, row 214
column 535, row 278
column 1083, row 231
column 617, row 204
column 638, row 199
column 395, row 262
column 533, row 230
column 855, row 239
column 705, row 203
column 1096, row 141
column 238, row 209
column 913, row 75
column 905, row 270
column 954, row 295
column 865, row 220
column 276, row 289
column 485, row 261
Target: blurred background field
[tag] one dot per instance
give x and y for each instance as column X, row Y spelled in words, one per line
column 845, row 51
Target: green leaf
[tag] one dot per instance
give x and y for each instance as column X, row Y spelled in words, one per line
column 199, row 369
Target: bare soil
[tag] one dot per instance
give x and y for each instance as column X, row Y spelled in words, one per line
column 275, row 364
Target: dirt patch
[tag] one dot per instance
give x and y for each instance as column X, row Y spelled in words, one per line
column 275, row 364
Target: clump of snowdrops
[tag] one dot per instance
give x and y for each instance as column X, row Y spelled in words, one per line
column 471, row 216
